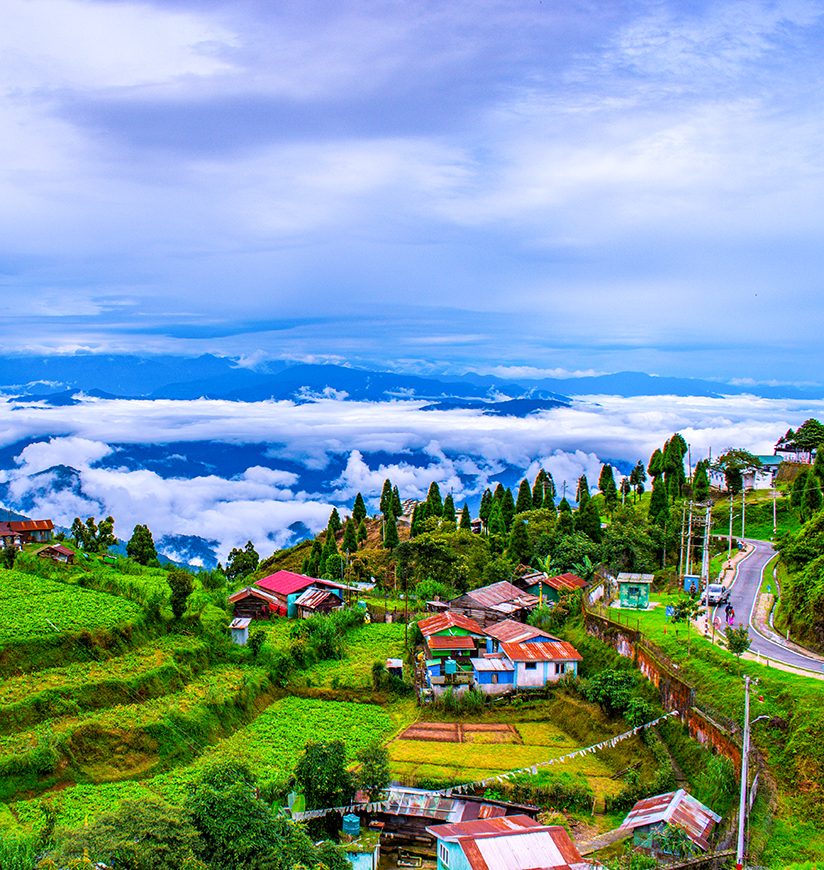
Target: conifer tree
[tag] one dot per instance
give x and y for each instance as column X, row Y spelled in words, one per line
column 582, row 493
column 655, row 465
column 637, row 477
column 497, row 526
column 434, row 504
column 701, row 482
column 350, row 537
column 359, row 509
column 565, row 525
column 448, row 515
column 363, row 534
column 524, row 502
column 811, row 503
column 606, row 484
column 549, row 490
column 798, row 488
column 538, row 489
column 519, row 551
column 508, row 507
column 659, row 503
column 313, row 567
column 334, row 525
column 498, row 494
column 397, row 507
column 386, row 497
column 466, row 520
column 485, row 508
column 330, row 547
column 390, row 532
column 588, row 522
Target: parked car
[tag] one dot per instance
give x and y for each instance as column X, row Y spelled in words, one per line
column 715, row 594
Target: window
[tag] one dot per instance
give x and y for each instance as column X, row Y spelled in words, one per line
column 531, row 666
column 443, row 853
column 559, row 667
column 494, row 677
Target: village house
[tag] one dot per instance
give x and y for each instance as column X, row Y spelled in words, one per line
column 287, row 587
column 492, row 603
column 513, row 842
column 57, row 553
column 407, row 814
column 652, row 814
column 503, row 657
column 253, row 603
column 450, row 641
column 18, row 533
column 549, row 589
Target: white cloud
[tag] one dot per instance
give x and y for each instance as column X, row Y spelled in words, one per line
column 73, row 451
column 465, row 452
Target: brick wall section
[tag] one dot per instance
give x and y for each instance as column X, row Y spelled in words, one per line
column 675, row 693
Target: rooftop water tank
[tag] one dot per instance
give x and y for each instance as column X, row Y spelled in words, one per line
column 450, row 666
column 351, row 825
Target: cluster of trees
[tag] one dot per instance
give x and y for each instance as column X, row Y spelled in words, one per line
column 92, row 536
column 805, row 494
column 802, row 594
column 227, row 822
column 805, row 440
column 666, row 468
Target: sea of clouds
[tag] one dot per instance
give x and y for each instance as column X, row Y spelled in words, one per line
column 344, row 444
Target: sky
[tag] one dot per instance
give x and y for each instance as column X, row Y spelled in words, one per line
column 473, row 184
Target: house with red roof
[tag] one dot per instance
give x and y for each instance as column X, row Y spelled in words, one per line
column 505, row 843
column 549, row 589
column 16, row 533
column 286, row 587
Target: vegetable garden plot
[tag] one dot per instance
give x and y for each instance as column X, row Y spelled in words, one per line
column 34, row 607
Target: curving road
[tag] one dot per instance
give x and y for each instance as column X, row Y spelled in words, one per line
column 744, row 596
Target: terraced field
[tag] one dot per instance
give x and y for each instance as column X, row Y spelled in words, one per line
column 485, row 753
column 34, row 607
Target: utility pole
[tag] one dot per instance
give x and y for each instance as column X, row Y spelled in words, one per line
column 705, row 556
column 743, row 507
column 729, row 554
column 682, row 553
column 689, row 543
column 742, row 803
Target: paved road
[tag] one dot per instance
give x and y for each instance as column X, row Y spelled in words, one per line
column 743, row 597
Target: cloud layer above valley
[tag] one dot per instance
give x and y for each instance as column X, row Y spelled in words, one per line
column 338, row 442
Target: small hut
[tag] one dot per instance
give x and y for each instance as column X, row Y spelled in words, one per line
column 633, row 590
column 57, row 553
column 240, row 630
column 253, row 603
column 314, row 601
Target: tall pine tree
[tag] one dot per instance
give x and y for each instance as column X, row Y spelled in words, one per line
column 497, row 526
column 397, row 508
column 448, row 514
column 582, row 493
column 606, row 484
column 390, row 532
column 508, row 507
column 524, row 501
column 386, row 497
column 466, row 520
column 519, row 552
column 358, row 509
column 434, row 503
column 485, row 508
column 350, row 537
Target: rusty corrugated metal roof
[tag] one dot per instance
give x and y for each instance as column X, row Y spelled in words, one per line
column 511, row 843
column 511, row 631
column 255, row 593
column 566, row 581
column 442, row 621
column 499, row 595
column 492, row 664
column 545, row 651
column 501, row 824
column 677, row 808
column 462, row 641
column 313, row 598
column 31, row 525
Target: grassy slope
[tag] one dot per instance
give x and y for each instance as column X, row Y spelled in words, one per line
column 793, row 745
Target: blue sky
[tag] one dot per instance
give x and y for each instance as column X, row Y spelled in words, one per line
column 581, row 186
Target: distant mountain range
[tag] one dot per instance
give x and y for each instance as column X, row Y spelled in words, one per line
column 56, row 380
